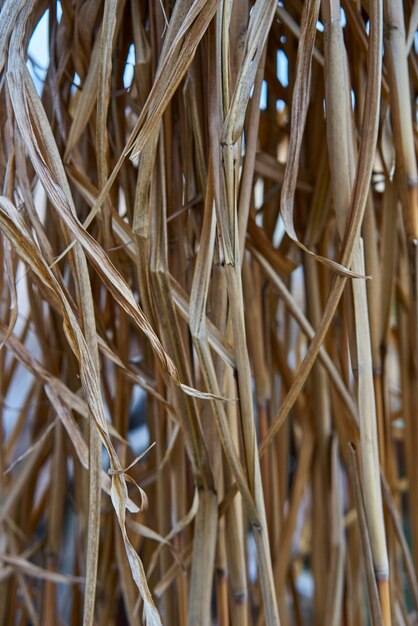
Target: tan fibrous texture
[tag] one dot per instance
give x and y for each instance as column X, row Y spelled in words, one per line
column 208, row 312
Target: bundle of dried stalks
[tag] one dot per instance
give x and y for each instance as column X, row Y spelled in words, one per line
column 192, row 199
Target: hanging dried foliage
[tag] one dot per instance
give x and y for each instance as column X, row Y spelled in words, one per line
column 209, row 313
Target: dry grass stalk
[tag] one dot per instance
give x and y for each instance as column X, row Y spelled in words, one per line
column 184, row 195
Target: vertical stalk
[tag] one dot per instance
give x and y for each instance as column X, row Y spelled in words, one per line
column 369, row 453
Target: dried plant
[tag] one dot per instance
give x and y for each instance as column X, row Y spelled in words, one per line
column 209, row 313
